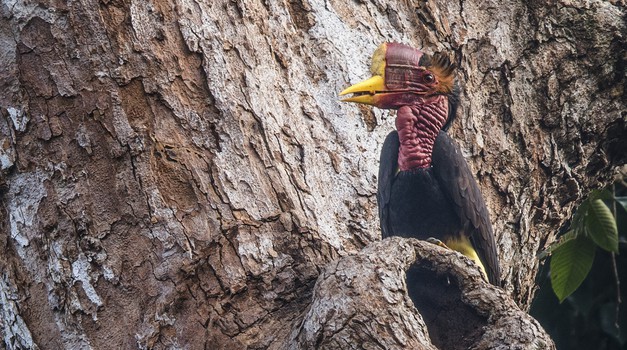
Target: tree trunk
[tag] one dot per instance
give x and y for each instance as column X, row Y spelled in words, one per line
column 177, row 174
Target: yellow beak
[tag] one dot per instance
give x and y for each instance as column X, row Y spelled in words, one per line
column 366, row 90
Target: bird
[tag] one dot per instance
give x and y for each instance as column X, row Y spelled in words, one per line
column 426, row 189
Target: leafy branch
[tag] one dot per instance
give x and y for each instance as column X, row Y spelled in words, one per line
column 593, row 225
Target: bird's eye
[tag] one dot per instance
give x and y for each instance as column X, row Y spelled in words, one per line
column 429, row 78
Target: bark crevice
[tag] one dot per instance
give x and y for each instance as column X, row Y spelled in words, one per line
column 363, row 298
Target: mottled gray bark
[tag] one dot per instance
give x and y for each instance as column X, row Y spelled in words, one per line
column 176, row 174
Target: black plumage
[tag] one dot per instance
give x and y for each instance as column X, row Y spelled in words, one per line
column 438, row 201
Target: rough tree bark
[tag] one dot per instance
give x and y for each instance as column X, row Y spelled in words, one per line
column 177, row 174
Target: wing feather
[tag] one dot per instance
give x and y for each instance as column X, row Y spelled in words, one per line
column 457, row 181
column 388, row 166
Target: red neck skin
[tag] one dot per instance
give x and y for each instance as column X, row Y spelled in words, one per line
column 418, row 125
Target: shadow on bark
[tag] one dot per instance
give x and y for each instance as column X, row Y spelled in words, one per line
column 452, row 324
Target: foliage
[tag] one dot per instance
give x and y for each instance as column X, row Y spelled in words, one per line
column 593, row 226
column 588, row 318
column 570, row 265
column 591, row 317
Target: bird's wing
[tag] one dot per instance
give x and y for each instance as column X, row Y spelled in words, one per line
column 388, row 166
column 458, row 183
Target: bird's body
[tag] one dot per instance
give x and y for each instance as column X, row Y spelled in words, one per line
column 425, row 187
column 412, row 203
column 417, row 207
column 441, row 201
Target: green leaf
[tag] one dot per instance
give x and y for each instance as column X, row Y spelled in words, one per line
column 601, row 194
column 569, row 235
column 570, row 265
column 578, row 222
column 601, row 226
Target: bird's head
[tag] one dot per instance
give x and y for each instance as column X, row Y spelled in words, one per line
column 403, row 76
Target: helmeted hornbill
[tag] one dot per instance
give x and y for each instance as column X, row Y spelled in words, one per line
column 425, row 187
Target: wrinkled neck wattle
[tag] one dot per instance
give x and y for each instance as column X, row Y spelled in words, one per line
column 418, row 126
